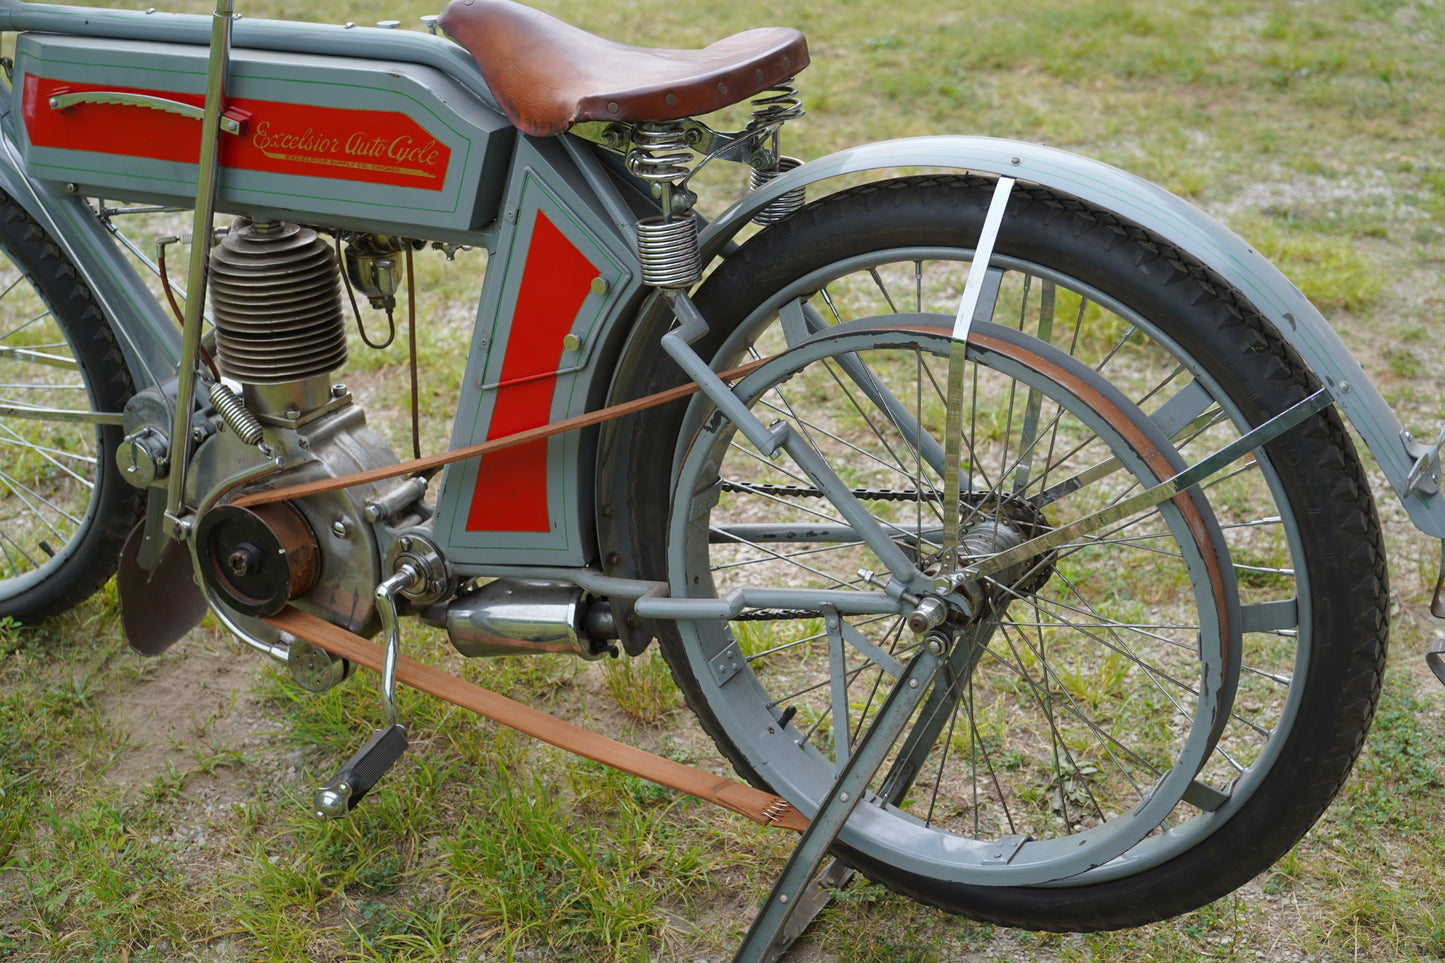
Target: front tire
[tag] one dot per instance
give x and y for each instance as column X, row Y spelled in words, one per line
column 65, row 512
column 1052, row 739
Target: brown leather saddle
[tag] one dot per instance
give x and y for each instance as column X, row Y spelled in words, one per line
column 548, row 75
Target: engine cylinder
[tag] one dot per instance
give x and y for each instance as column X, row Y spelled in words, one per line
column 276, row 302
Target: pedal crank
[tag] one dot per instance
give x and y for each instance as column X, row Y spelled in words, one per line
column 359, row 773
column 362, row 771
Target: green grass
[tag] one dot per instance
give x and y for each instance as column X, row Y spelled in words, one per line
column 1316, row 131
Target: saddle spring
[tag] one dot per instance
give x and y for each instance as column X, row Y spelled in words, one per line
column 786, row 204
column 666, row 245
column 770, row 110
column 668, row 251
column 774, row 107
column 660, row 153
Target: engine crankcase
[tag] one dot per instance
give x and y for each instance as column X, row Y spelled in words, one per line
column 318, row 553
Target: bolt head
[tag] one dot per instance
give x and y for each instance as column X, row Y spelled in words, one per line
column 244, row 560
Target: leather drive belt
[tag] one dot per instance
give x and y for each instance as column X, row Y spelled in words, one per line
column 761, row 807
column 432, row 462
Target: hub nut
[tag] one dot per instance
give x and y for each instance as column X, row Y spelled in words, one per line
column 415, row 552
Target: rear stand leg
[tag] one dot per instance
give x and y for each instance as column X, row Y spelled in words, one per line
column 771, row 934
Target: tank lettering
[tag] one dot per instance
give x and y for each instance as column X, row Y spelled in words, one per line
column 405, row 149
column 365, row 145
column 378, row 147
column 307, row 141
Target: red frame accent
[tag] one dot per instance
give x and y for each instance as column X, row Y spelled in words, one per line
column 511, row 489
column 371, row 146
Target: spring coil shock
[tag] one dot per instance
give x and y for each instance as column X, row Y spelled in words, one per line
column 666, row 245
column 774, row 107
column 659, row 153
column 668, row 251
column 785, row 204
column 770, row 110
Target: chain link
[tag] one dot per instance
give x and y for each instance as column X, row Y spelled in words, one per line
column 862, row 494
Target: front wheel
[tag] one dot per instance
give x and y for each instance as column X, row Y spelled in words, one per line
column 64, row 509
column 1142, row 718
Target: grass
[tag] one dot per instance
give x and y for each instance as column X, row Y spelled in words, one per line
column 1315, row 131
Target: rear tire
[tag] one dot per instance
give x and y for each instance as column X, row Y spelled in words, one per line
column 1298, row 528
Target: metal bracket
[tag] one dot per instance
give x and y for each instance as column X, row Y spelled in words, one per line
column 973, row 289
column 1424, row 476
column 727, row 663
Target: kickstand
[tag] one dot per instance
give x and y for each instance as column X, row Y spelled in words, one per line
column 797, row 892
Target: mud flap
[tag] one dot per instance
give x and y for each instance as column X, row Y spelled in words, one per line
column 159, row 602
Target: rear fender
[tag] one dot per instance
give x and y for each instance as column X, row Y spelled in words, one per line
column 1177, row 222
column 644, row 368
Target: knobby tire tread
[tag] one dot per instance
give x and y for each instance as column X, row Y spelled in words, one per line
column 106, row 373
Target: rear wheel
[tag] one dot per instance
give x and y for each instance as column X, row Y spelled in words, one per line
column 1082, row 709
column 64, row 509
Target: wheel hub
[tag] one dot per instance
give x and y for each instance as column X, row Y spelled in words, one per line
column 991, row 524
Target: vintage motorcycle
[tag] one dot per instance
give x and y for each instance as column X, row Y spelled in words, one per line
column 998, row 520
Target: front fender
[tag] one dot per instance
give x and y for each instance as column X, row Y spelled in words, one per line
column 1173, row 220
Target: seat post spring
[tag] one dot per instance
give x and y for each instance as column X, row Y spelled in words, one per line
column 786, row 204
column 660, row 153
column 774, row 107
column 770, row 110
column 667, row 245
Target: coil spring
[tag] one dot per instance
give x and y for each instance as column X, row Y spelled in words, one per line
column 659, row 151
column 788, row 202
column 245, row 424
column 668, row 251
column 775, row 107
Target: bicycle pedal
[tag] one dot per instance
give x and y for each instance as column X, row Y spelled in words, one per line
column 1435, row 659
column 362, row 771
